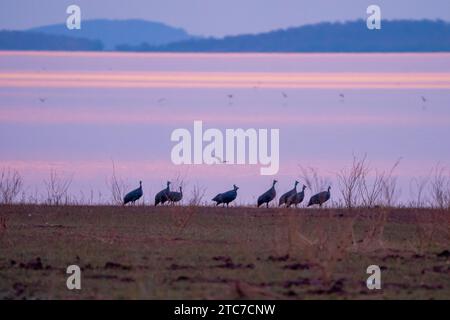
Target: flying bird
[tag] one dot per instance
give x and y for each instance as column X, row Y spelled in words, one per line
column 134, row 195
column 226, row 197
column 424, row 99
column 268, row 196
column 42, row 99
column 297, row 198
column 285, row 197
column 320, row 198
column 230, row 99
column 163, row 195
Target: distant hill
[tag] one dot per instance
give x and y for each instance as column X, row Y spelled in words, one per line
column 23, row 40
column 394, row 36
column 117, row 32
column 139, row 35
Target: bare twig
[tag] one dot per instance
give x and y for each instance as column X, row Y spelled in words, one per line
column 117, row 186
column 57, row 188
column 11, row 184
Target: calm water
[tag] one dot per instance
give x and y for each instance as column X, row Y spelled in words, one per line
column 78, row 112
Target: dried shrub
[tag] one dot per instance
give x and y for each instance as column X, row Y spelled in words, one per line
column 197, row 194
column 351, row 182
column 440, row 187
column 417, row 187
column 373, row 236
column 311, row 178
column 11, row 185
column 389, row 189
column 117, row 186
column 57, row 187
column 323, row 245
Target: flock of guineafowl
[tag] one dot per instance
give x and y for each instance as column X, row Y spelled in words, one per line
column 292, row 197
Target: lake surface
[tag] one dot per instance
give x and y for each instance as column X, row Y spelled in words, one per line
column 78, row 112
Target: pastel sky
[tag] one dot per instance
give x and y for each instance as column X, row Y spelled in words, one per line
column 78, row 112
column 218, row 17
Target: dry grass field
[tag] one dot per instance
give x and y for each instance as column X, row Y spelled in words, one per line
column 218, row 253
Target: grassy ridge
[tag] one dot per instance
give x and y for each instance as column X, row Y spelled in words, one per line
column 206, row 252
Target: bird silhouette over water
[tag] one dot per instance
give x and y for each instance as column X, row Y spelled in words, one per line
column 268, row 196
column 230, row 99
column 163, row 195
column 424, row 102
column 320, row 198
column 285, row 197
column 134, row 195
column 226, row 197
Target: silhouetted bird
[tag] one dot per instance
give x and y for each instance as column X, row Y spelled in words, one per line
column 424, row 99
column 226, row 197
column 268, row 196
column 320, row 198
column 341, row 95
column 284, row 197
column 297, row 198
column 284, row 95
column 176, row 196
column 230, row 99
column 134, row 195
column 218, row 199
column 42, row 99
column 163, row 195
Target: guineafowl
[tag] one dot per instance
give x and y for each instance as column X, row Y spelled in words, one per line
column 320, row 198
column 285, row 197
column 268, row 196
column 163, row 195
column 226, row 197
column 297, row 198
column 218, row 199
column 134, row 195
column 175, row 196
